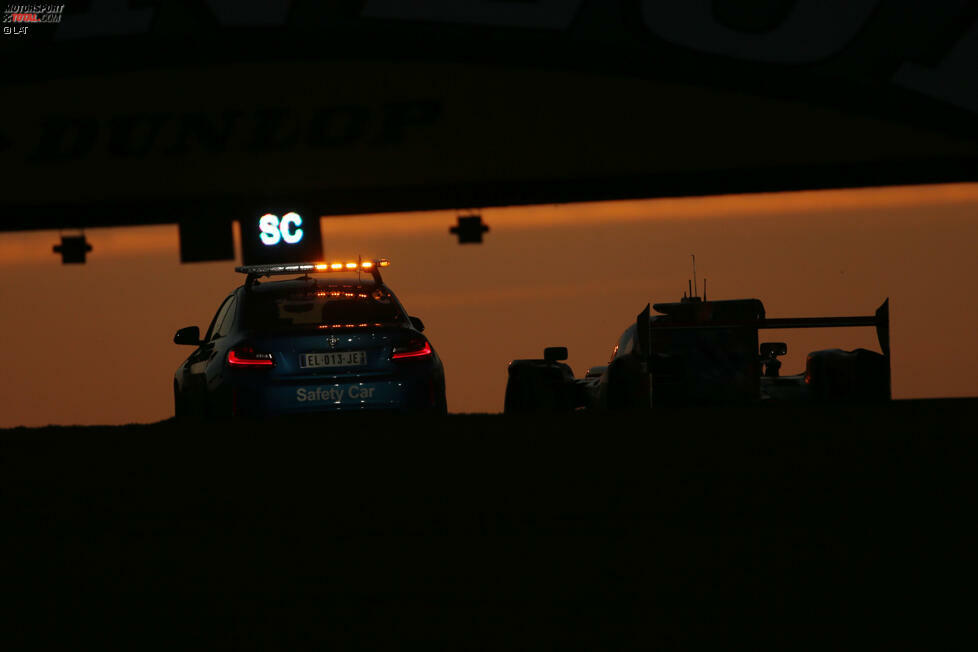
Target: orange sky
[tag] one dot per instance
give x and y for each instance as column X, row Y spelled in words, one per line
column 93, row 344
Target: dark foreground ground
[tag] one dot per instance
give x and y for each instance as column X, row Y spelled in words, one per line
column 847, row 526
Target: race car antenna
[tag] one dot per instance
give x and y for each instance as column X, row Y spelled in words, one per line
column 694, row 290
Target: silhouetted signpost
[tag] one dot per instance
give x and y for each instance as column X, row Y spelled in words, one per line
column 469, row 229
column 73, row 249
column 204, row 240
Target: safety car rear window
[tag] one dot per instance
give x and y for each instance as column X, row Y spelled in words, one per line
column 321, row 307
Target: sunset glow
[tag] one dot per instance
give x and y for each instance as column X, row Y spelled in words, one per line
column 557, row 275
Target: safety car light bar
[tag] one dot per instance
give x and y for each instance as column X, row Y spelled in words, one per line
column 270, row 269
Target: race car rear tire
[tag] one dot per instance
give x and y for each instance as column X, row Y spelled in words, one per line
column 530, row 391
column 628, row 385
column 850, row 376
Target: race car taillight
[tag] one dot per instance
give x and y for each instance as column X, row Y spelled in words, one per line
column 416, row 347
column 246, row 356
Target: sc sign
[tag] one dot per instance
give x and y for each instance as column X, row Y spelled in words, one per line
column 274, row 230
column 281, row 238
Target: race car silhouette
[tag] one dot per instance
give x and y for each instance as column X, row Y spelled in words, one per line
column 698, row 352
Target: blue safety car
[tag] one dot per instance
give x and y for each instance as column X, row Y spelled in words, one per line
column 333, row 337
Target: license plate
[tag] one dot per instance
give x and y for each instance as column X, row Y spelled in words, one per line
column 335, row 359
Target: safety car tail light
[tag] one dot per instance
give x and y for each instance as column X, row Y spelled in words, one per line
column 247, row 356
column 416, row 347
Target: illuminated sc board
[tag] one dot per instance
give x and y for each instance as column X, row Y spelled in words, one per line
column 280, row 237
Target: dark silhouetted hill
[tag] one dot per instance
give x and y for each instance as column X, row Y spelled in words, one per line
column 845, row 525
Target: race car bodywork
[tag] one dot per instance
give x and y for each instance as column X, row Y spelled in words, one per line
column 698, row 352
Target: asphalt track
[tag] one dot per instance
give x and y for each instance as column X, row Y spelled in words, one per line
column 843, row 525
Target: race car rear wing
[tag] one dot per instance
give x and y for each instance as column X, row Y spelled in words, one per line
column 881, row 320
column 729, row 380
